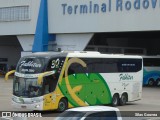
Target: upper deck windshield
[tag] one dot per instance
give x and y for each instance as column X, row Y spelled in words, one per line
column 31, row 65
column 25, row 81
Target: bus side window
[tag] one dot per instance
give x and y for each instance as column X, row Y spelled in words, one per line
column 76, row 68
column 46, row 88
column 129, row 65
column 49, row 81
column 49, row 84
column 70, row 71
column 49, row 66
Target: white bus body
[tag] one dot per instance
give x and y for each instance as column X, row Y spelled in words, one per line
column 66, row 80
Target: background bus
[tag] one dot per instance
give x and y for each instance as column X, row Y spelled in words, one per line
column 151, row 75
column 47, row 81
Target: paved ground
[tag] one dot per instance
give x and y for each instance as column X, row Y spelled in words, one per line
column 150, row 102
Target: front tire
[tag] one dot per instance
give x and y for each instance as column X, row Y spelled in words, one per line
column 62, row 105
column 115, row 100
column 123, row 99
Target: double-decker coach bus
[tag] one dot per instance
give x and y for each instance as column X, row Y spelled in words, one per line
column 151, row 70
column 47, row 81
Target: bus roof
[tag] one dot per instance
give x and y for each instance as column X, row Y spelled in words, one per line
column 81, row 54
column 100, row 55
column 47, row 54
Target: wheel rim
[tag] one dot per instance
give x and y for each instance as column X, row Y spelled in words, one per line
column 115, row 101
column 61, row 106
column 150, row 82
column 124, row 99
column 158, row 83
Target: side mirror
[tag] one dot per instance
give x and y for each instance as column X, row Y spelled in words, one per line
column 40, row 77
column 9, row 73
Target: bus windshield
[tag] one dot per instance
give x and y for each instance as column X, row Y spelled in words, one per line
column 26, row 87
column 28, row 69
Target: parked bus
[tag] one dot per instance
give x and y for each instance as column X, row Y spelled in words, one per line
column 47, row 81
column 151, row 70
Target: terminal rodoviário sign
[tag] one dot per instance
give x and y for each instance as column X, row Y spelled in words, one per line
column 84, row 16
column 107, row 6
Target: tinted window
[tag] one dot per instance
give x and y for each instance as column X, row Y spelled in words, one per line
column 108, row 115
column 50, row 81
column 129, row 65
column 98, row 65
column 71, row 115
column 107, row 65
column 151, row 61
column 77, row 68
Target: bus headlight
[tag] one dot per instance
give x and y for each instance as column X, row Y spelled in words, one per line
column 14, row 99
column 37, row 106
column 18, row 100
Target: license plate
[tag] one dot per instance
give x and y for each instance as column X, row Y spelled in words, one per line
column 23, row 107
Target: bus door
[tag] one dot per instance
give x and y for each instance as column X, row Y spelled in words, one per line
column 50, row 82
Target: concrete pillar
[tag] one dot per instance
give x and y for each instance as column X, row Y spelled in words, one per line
column 72, row 42
column 26, row 42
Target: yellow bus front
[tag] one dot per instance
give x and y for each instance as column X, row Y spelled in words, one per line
column 35, row 84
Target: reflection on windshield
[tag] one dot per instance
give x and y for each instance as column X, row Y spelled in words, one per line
column 89, row 115
column 31, row 65
column 71, row 115
column 26, row 87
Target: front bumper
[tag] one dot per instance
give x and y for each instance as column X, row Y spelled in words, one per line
column 33, row 106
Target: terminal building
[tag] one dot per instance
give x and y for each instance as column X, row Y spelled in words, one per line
column 109, row 26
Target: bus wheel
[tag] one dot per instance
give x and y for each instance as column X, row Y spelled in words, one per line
column 115, row 100
column 158, row 82
column 123, row 99
column 62, row 105
column 151, row 82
